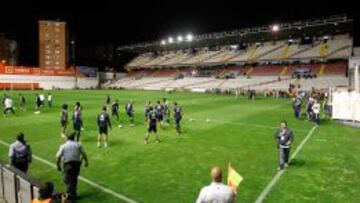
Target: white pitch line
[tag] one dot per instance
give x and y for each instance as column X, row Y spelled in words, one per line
column 277, row 176
column 85, row 180
column 239, row 123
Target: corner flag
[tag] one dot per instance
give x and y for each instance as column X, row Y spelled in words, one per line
column 234, row 179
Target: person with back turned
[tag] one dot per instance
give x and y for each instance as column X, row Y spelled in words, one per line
column 20, row 153
column 77, row 120
column 71, row 154
column 216, row 191
column 103, row 122
column 178, row 114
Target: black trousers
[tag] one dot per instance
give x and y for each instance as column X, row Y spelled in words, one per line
column 116, row 114
column 177, row 125
column 71, row 173
column 284, row 155
column 297, row 113
column 22, row 165
column 9, row 109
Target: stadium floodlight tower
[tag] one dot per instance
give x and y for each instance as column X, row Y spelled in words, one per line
column 170, row 40
column 163, row 42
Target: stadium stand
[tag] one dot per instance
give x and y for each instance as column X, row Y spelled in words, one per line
column 199, row 57
column 222, row 57
column 249, row 58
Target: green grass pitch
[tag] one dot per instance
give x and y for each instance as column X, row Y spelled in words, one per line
column 224, row 129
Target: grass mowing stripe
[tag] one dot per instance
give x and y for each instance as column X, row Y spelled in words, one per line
column 279, row 173
column 85, row 180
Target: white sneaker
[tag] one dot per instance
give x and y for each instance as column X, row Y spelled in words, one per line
column 106, row 145
column 99, row 144
column 145, row 142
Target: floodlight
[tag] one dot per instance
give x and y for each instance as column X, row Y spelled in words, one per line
column 179, row 38
column 189, row 37
column 275, row 28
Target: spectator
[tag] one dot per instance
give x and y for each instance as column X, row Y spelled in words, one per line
column 49, row 98
column 20, row 154
column 216, row 191
column 46, row 194
column 71, row 153
column 316, row 112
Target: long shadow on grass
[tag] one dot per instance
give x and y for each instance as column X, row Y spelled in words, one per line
column 297, row 163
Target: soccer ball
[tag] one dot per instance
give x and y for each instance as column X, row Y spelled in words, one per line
column 36, row 112
column 207, row 120
column 63, row 136
column 191, row 119
column 120, row 126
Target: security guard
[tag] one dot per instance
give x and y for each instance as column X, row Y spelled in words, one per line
column 20, row 154
column 71, row 153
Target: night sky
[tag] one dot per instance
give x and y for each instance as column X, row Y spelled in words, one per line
column 127, row 22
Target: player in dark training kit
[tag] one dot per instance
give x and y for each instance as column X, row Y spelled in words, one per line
column 38, row 103
column 103, row 124
column 147, row 110
column 77, row 121
column 108, row 99
column 152, row 126
column 22, row 102
column 129, row 108
column 177, row 117
column 64, row 119
column 159, row 112
column 166, row 111
column 115, row 109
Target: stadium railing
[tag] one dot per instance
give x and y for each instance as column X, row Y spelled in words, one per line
column 16, row 186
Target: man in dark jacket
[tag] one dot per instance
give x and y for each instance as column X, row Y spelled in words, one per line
column 284, row 138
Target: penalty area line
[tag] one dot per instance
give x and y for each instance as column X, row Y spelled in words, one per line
column 83, row 179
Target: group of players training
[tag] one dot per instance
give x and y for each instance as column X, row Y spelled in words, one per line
column 159, row 114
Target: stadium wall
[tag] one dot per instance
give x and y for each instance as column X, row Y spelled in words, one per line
column 36, row 78
column 47, row 82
